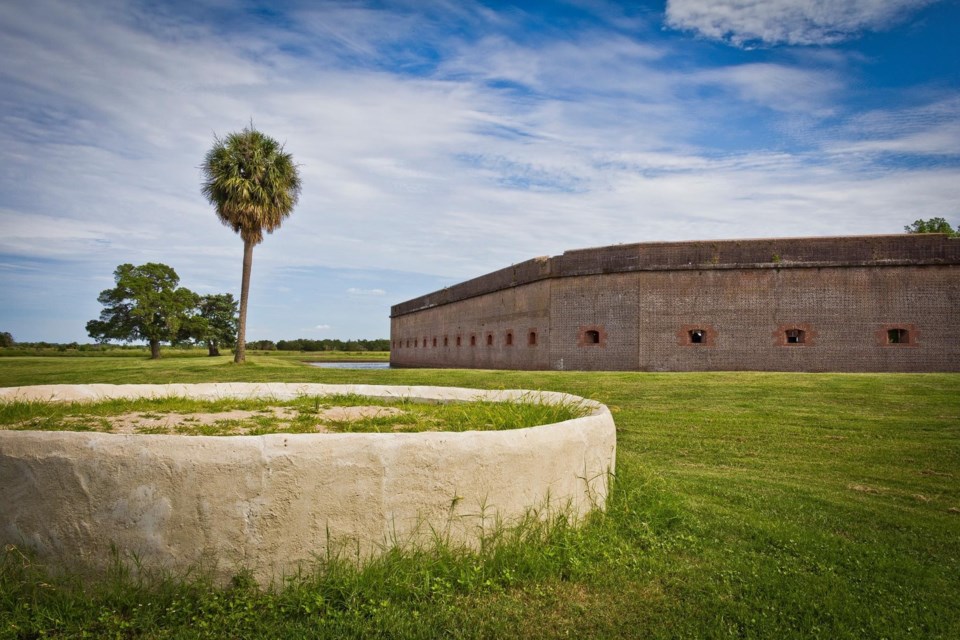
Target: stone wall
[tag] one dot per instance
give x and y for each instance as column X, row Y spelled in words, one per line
column 811, row 304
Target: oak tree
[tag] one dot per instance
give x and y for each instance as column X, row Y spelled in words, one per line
column 220, row 322
column 146, row 304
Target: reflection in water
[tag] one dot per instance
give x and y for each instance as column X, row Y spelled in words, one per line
column 350, row 365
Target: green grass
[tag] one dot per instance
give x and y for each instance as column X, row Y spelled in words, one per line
column 303, row 415
column 97, row 351
column 746, row 505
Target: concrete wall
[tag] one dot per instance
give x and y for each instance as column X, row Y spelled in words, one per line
column 632, row 307
column 272, row 503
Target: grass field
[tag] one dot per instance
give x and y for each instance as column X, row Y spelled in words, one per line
column 746, row 505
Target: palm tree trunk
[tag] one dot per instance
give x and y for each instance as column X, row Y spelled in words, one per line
column 240, row 355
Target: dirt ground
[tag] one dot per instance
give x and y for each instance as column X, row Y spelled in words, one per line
column 235, row 422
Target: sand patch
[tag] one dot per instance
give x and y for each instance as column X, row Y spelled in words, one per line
column 235, row 422
column 341, row 414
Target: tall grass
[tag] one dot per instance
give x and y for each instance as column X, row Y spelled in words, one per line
column 420, row 592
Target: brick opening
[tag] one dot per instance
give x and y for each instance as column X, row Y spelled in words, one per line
column 424, row 342
column 434, row 341
column 592, row 336
column 489, row 339
column 898, row 335
column 795, row 336
column 700, row 335
column 458, row 341
column 509, row 339
column 532, row 339
column 446, row 341
column 415, row 343
column 473, row 341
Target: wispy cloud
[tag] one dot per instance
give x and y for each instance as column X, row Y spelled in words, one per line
column 929, row 129
column 794, row 22
column 777, row 86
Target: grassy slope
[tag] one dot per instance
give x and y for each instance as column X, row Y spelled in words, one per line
column 747, row 505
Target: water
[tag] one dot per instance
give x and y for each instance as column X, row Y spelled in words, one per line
column 350, row 365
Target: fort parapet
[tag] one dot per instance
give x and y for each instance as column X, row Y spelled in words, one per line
column 859, row 303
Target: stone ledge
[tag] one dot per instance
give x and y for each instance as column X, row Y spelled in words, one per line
column 273, row 503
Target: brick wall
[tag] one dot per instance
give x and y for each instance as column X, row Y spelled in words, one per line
column 493, row 329
column 812, row 304
column 606, row 304
column 839, row 310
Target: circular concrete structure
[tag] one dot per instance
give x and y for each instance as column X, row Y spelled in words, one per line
column 273, row 503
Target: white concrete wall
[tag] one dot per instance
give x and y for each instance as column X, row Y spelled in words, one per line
column 272, row 503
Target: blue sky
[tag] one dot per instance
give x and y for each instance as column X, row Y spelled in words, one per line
column 439, row 140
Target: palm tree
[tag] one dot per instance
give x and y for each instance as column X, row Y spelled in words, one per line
column 254, row 185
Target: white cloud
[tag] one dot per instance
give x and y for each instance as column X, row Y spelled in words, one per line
column 323, row 327
column 794, row 22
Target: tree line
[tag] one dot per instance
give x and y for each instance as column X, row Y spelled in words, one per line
column 300, row 344
column 933, row 225
column 327, row 344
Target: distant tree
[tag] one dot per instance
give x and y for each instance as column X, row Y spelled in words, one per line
column 332, row 344
column 220, row 322
column 254, row 185
column 6, row 340
column 146, row 305
column 933, row 225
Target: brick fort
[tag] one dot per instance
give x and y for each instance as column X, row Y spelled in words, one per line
column 858, row 303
